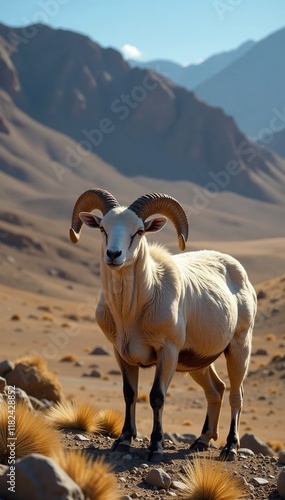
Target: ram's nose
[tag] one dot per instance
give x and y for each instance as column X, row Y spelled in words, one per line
column 113, row 254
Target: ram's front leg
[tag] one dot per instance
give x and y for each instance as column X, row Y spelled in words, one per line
column 130, row 389
column 166, row 364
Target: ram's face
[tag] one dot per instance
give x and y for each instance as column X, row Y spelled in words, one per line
column 122, row 231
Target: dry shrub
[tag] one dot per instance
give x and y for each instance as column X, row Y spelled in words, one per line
column 276, row 445
column 94, row 477
column 69, row 358
column 111, row 422
column 32, row 434
column 209, row 480
column 143, row 397
column 271, row 337
column 74, row 415
column 32, row 361
column 187, row 421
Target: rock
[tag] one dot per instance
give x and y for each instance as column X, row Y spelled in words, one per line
column 245, row 451
column 254, row 444
column 159, row 478
column 281, row 484
column 114, row 372
column 260, row 352
column 261, row 294
column 179, row 485
column 258, row 481
column 36, row 382
column 100, row 351
column 180, row 438
column 20, row 395
column 39, row 477
column 80, row 437
column 2, row 384
column 37, row 404
column 281, row 458
column 94, row 374
column 5, row 367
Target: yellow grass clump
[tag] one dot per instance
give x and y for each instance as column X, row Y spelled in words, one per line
column 94, row 477
column 31, row 433
column 34, row 360
column 69, row 358
column 209, row 480
column 111, row 422
column 74, row 415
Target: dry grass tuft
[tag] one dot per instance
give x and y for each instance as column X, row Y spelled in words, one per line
column 31, row 431
column 69, row 358
column 271, row 337
column 207, row 479
column 94, row 477
column 74, row 415
column 32, row 361
column 276, row 445
column 143, row 397
column 111, row 422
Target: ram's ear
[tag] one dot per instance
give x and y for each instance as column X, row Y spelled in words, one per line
column 90, row 220
column 155, row 225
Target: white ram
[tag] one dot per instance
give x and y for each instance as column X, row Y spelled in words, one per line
column 178, row 312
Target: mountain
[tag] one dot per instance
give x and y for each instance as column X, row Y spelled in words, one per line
column 139, row 122
column 194, row 74
column 38, row 191
column 251, row 90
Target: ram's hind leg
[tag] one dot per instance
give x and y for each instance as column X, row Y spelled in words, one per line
column 237, row 357
column 214, row 389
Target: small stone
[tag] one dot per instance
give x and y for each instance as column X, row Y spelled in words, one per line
column 126, row 497
column 281, row 458
column 245, row 451
column 159, row 478
column 122, row 480
column 100, row 351
column 144, row 466
column 179, row 485
column 128, row 457
column 281, row 484
column 37, row 404
column 260, row 352
column 6, row 367
column 171, row 494
column 80, row 437
column 94, row 374
column 255, row 444
column 135, row 495
column 259, row 481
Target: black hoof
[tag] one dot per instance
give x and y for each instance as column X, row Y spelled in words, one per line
column 199, row 446
column 228, row 454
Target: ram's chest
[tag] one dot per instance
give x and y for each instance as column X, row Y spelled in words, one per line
column 133, row 348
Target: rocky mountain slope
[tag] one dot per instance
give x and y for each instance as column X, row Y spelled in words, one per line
column 136, row 120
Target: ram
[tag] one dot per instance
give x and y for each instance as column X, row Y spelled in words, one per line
column 177, row 312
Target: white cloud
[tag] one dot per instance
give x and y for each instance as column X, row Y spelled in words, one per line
column 131, row 52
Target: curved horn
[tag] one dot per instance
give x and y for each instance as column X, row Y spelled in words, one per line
column 88, row 201
column 153, row 203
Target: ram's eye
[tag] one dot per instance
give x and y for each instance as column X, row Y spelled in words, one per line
column 140, row 232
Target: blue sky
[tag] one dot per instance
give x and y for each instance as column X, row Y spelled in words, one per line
column 185, row 31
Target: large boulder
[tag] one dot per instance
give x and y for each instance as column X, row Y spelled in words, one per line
column 36, row 476
column 35, row 381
